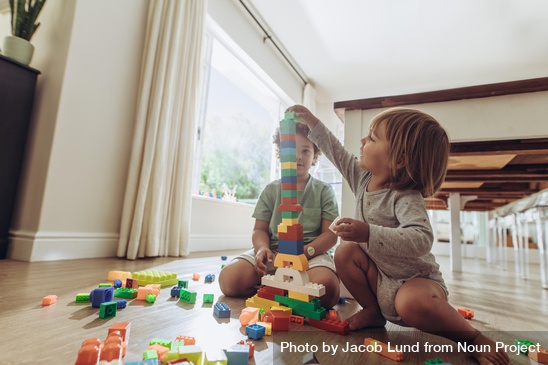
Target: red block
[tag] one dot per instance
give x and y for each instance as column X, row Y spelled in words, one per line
column 331, row 325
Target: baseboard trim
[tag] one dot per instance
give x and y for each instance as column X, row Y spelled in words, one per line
column 51, row 246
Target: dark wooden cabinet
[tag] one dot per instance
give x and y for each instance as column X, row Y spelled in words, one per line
column 17, row 87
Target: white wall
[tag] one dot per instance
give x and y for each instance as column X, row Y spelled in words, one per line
column 89, row 53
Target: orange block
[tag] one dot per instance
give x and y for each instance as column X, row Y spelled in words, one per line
column 49, row 299
column 539, row 356
column 383, row 349
column 251, row 347
column 161, row 350
column 189, row 341
column 195, row 276
column 123, row 327
column 466, row 313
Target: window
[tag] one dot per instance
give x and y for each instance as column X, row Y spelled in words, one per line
column 240, row 109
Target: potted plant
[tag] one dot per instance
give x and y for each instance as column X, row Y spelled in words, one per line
column 23, row 25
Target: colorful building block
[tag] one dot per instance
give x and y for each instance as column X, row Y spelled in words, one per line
column 117, row 274
column 221, row 310
column 384, row 349
column 123, row 327
column 251, row 347
column 279, row 320
column 195, row 276
column 187, row 340
column 150, row 298
column 143, row 291
column 466, row 313
column 237, row 354
column 249, row 315
column 126, row 293
column 215, row 357
column 132, row 284
column 82, row 298
column 540, row 355
column 208, row 298
column 183, row 283
column 101, row 295
column 121, row 303
column 330, row 324
column 176, row 291
column 255, row 331
column 108, row 309
column 209, row 278
column 164, row 278
column 49, row 300
column 188, row 296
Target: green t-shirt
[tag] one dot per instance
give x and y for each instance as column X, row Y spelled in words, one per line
column 318, row 202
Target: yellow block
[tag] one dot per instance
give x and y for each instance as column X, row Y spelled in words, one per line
column 299, row 296
column 289, row 165
column 290, row 222
column 258, row 302
column 282, row 228
column 282, row 308
column 297, row 262
column 267, row 327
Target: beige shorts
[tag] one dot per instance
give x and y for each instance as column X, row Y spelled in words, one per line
column 318, row 261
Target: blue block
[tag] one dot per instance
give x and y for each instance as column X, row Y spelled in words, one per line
column 223, row 258
column 101, row 295
column 288, row 144
column 291, row 247
column 342, row 300
column 176, row 291
column 120, row 304
column 237, row 354
column 255, row 331
column 117, row 283
column 221, row 310
column 289, row 179
column 209, row 278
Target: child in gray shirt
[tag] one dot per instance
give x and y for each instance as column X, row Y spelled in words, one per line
column 386, row 262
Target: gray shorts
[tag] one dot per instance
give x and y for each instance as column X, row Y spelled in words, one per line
column 318, row 261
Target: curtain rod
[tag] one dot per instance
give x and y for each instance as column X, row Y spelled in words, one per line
column 267, row 36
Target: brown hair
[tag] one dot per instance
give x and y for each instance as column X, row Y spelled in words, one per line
column 418, row 152
column 301, row 129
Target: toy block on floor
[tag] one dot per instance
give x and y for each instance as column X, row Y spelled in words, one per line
column 89, row 352
column 195, row 276
column 216, row 357
column 192, row 352
column 188, row 340
column 121, row 303
column 126, row 293
column 267, row 327
column 249, row 315
column 150, row 298
column 183, row 283
column 237, row 354
column 175, row 292
column 187, row 295
column 209, row 278
column 279, row 320
column 49, row 300
column 118, row 275
column 298, row 320
column 208, row 298
column 164, row 278
column 82, row 298
column 108, row 309
column 255, row 331
column 101, row 295
column 539, row 355
column 221, row 310
column 143, row 291
column 124, row 329
column 524, row 345
column 132, row 284
column 466, row 313
column 331, row 325
column 384, row 349
column 160, row 350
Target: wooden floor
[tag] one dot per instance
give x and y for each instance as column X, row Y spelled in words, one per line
column 505, row 307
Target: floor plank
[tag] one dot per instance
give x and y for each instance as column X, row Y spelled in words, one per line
column 505, row 307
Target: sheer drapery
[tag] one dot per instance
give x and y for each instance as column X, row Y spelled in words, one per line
column 157, row 203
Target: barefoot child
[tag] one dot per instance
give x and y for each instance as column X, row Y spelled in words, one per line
column 242, row 276
column 387, row 265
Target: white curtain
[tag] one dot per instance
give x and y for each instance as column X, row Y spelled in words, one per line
column 157, row 203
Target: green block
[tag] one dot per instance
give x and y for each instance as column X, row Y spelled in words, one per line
column 289, row 193
column 150, row 298
column 126, row 293
column 188, row 296
column 318, row 314
column 160, row 341
column 101, row 285
column 108, row 309
column 527, row 343
column 183, row 283
column 288, row 158
column 82, row 298
column 290, row 215
column 289, row 172
column 287, row 127
column 313, row 305
column 434, row 361
column 208, row 298
column 289, row 115
column 150, row 354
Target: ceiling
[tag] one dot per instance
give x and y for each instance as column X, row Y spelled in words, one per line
column 356, row 49
column 361, row 51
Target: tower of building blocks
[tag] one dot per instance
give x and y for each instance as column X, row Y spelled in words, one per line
column 290, row 286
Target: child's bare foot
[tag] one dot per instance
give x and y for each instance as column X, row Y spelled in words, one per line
column 365, row 318
column 491, row 357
